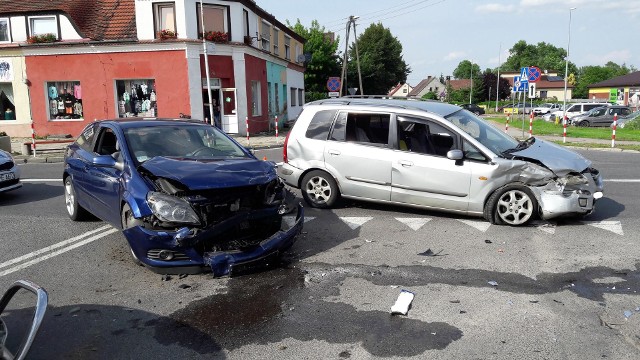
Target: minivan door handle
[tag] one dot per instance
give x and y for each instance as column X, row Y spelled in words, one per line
column 333, row 152
column 406, row 163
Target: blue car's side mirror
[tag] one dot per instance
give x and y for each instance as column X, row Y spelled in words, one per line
column 107, row 161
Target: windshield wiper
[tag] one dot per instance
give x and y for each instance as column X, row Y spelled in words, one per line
column 521, row 146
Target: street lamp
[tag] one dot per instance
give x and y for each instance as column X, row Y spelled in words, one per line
column 566, row 71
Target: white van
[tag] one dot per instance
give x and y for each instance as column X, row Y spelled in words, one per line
column 576, row 109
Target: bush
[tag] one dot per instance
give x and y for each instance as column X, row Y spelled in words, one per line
column 2, row 133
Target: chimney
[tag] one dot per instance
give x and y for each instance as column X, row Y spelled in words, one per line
column 428, row 77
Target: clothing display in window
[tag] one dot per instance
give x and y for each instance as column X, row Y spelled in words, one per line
column 137, row 98
column 65, row 100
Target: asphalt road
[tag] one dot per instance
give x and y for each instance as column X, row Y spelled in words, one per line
column 562, row 288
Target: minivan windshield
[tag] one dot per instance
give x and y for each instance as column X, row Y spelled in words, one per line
column 492, row 138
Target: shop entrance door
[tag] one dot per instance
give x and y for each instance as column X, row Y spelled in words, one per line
column 229, row 113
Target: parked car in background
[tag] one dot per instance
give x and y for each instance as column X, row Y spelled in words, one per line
column 517, row 108
column 432, row 155
column 474, row 108
column 9, row 173
column 546, row 108
column 600, row 116
column 186, row 195
column 625, row 120
column 574, row 109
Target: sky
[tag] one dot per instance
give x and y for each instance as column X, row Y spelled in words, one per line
column 437, row 34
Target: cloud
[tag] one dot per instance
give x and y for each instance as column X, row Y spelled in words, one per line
column 495, row 8
column 454, row 55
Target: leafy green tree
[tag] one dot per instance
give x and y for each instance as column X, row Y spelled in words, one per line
column 381, row 62
column 588, row 75
column 490, row 81
column 543, row 55
column 430, row 96
column 463, row 71
column 324, row 62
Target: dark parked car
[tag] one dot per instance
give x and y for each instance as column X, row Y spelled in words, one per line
column 186, row 195
column 602, row 116
column 474, row 108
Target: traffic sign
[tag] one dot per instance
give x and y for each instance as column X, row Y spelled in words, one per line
column 524, row 74
column 333, row 94
column 533, row 74
column 532, row 90
column 333, row 84
column 519, row 85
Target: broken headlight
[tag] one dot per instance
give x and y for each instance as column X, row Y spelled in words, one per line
column 172, row 209
column 273, row 192
column 574, row 180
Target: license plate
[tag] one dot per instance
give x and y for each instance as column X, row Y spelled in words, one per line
column 7, row 176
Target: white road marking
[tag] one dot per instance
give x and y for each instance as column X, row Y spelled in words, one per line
column 478, row 224
column 355, row 222
column 42, row 180
column 623, row 180
column 291, row 220
column 414, row 223
column 613, row 226
column 72, row 244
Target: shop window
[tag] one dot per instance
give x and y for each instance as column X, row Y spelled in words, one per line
column 265, row 36
column 293, row 96
column 7, row 102
column 214, row 19
column 41, row 25
column 5, row 35
column 65, row 100
column 137, row 98
column 165, row 17
column 287, row 48
column 256, row 101
column 276, row 35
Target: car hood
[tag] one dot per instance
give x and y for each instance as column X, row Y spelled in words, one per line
column 558, row 159
column 212, row 174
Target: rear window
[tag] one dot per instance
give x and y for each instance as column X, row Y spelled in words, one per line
column 320, row 125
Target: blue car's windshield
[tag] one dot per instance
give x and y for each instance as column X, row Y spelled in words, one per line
column 492, row 138
column 180, row 141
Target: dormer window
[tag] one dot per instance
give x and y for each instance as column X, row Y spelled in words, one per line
column 5, row 35
column 165, row 17
column 41, row 25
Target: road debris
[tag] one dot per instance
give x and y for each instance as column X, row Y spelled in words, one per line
column 166, row 277
column 184, row 286
column 493, row 283
column 628, row 314
column 488, row 241
column 454, row 301
column 429, row 252
column 403, row 303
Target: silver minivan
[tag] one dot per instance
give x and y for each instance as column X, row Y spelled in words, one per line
column 432, row 155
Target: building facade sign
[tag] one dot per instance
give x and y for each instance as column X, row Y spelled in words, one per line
column 6, row 70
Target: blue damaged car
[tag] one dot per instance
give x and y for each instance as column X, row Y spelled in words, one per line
column 187, row 196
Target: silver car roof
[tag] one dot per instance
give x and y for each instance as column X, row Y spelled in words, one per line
column 433, row 106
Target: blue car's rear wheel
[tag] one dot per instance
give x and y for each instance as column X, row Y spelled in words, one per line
column 75, row 211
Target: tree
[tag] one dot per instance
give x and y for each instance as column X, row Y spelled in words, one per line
column 490, row 81
column 324, row 61
column 430, row 96
column 588, row 75
column 463, row 71
column 543, row 55
column 381, row 62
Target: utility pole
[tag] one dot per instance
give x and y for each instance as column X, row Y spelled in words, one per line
column 471, row 88
column 343, row 78
column 206, row 67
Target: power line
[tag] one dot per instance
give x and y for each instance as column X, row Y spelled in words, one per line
column 370, row 13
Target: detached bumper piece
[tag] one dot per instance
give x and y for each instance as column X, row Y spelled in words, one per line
column 264, row 255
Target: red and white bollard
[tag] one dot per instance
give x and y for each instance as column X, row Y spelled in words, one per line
column 276, row 125
column 506, row 127
column 615, row 125
column 33, row 139
column 531, row 124
column 564, row 129
column 246, row 124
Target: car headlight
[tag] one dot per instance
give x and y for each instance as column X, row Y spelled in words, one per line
column 172, row 209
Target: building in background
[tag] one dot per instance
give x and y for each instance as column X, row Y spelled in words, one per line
column 64, row 63
column 621, row 90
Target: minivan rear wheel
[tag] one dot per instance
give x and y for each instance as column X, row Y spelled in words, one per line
column 320, row 189
column 512, row 204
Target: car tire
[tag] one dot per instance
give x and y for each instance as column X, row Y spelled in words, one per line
column 512, row 204
column 74, row 210
column 320, row 189
column 128, row 221
column 583, row 123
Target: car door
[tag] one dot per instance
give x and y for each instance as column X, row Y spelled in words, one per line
column 358, row 154
column 421, row 172
column 78, row 159
column 103, row 183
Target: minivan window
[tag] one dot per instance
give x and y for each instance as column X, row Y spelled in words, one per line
column 369, row 128
column 492, row 138
column 320, row 125
column 424, row 137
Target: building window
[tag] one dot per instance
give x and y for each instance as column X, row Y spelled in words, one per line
column 287, row 48
column 41, row 25
column 300, row 97
column 5, row 35
column 265, row 36
column 293, row 96
column 165, row 17
column 404, row 91
column 256, row 102
column 65, row 100
column 214, row 19
column 7, row 102
column 245, row 22
column 137, row 98
column 276, row 35
column 298, row 53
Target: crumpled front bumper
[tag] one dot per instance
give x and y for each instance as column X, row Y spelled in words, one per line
column 221, row 263
column 555, row 202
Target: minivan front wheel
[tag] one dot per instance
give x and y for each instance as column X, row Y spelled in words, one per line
column 512, row 204
column 319, row 189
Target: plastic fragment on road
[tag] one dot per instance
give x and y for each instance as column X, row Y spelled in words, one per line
column 401, row 307
column 427, row 253
column 628, row 313
column 492, row 283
